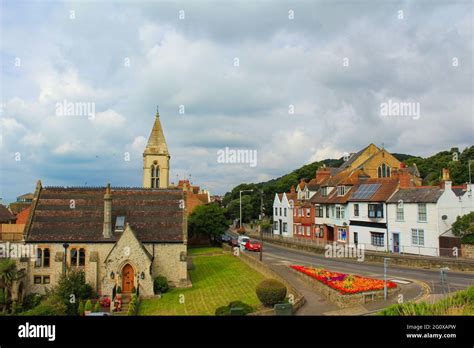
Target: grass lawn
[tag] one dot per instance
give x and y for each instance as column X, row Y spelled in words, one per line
column 217, row 280
column 204, row 250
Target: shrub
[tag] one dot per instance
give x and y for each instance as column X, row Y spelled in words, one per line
column 2, row 296
column 97, row 306
column 271, row 292
column 225, row 310
column 88, row 306
column 160, row 284
column 31, row 300
column 73, row 283
column 80, row 308
column 51, row 306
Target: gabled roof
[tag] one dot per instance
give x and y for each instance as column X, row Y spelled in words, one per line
column 154, row 215
column 417, row 195
column 156, row 142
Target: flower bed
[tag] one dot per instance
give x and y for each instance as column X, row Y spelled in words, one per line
column 344, row 283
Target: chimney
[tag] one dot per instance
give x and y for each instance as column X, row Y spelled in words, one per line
column 404, row 178
column 322, row 173
column 107, row 230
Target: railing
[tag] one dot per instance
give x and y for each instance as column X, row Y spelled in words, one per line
column 402, row 249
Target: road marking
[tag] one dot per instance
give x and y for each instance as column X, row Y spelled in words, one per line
column 400, row 281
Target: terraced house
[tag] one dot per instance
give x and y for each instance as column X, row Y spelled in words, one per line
column 120, row 236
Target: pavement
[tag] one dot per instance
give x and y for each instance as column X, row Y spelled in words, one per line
column 415, row 284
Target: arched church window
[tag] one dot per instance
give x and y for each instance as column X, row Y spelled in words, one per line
column 384, row 171
column 155, row 176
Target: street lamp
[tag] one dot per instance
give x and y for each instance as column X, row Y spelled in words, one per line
column 240, row 195
column 385, row 265
column 262, row 214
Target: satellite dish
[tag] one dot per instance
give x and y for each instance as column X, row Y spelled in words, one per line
column 444, row 217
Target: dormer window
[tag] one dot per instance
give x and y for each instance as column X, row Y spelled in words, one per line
column 324, row 191
column 120, row 223
column 341, row 190
column 307, row 194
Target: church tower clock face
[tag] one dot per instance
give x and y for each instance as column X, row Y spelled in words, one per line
column 156, row 158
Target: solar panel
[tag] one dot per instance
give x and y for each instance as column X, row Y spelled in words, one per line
column 365, row 191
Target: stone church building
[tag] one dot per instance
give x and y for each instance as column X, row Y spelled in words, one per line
column 120, row 236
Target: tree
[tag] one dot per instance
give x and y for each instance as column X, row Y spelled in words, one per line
column 9, row 273
column 464, row 225
column 71, row 288
column 207, row 220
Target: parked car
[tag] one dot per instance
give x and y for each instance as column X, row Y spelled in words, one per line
column 243, row 240
column 253, row 245
column 225, row 238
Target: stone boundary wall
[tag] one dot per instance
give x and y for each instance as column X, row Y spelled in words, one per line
column 343, row 300
column 426, row 262
column 467, row 250
column 267, row 272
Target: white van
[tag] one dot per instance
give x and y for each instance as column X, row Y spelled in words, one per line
column 242, row 240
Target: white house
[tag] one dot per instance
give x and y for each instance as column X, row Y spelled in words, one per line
column 283, row 213
column 417, row 216
column 367, row 211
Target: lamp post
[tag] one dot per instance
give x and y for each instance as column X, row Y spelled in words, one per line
column 262, row 214
column 240, row 196
column 385, row 265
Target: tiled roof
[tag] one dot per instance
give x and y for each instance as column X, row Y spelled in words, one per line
column 17, row 207
column 383, row 193
column 417, row 195
column 154, row 214
column 5, row 214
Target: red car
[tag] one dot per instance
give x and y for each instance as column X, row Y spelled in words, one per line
column 253, row 245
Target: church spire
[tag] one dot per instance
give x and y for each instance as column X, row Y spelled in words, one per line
column 156, row 142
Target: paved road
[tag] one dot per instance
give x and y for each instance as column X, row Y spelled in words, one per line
column 279, row 258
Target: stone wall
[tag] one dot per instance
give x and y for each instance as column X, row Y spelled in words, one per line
column 467, row 250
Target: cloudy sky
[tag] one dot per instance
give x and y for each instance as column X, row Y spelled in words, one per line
column 296, row 81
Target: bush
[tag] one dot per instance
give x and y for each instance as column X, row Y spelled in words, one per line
column 51, row 306
column 468, row 239
column 271, row 292
column 225, row 310
column 32, row 300
column 2, row 296
column 73, row 283
column 80, row 308
column 88, row 306
column 97, row 306
column 160, row 285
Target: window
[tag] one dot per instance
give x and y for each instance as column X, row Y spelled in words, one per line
column 39, row 257
column 155, row 176
column 37, row 280
column 332, row 211
column 422, row 212
column 46, row 280
column 341, row 190
column 376, row 210
column 46, row 257
column 319, row 210
column 82, row 257
column 377, row 238
column 356, row 209
column 417, row 237
column 400, row 212
column 324, row 191
column 384, row 171
column 307, row 194
column 341, row 234
column 280, row 212
column 308, row 230
column 73, row 257
column 338, row 212
column 327, row 211
column 285, row 227
column 284, row 211
column 276, row 211
column 319, row 231
column 120, row 223
column 300, row 212
column 275, row 225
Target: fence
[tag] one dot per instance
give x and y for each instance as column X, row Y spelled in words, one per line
column 402, row 249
